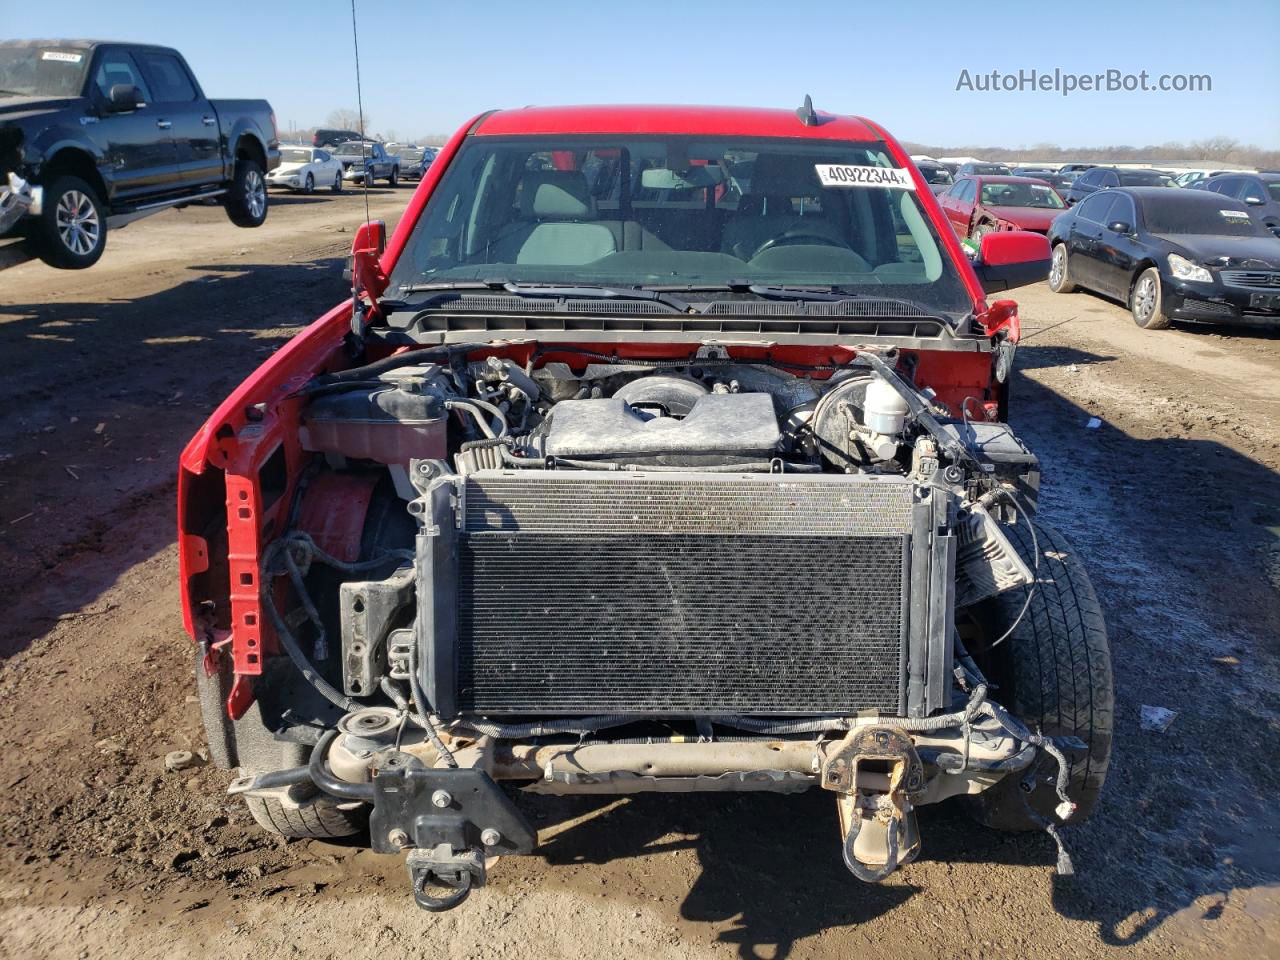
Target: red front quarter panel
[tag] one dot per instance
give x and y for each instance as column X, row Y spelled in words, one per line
column 237, row 475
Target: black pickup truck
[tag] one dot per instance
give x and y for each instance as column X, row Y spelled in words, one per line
column 97, row 134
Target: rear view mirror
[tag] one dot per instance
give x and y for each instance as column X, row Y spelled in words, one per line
column 1119, row 226
column 1011, row 258
column 662, row 178
column 123, row 97
column 1254, row 201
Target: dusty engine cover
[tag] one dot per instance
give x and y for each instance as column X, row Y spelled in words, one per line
column 720, row 428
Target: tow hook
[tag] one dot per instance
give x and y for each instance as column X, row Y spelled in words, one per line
column 442, row 867
column 448, row 821
column 877, row 772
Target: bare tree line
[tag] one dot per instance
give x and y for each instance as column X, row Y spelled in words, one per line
column 1214, row 149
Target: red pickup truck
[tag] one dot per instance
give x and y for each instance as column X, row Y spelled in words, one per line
column 660, row 449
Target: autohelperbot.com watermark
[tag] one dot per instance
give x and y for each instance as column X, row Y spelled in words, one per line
column 1065, row 82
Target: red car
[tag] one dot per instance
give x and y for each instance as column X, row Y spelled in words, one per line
column 660, row 449
column 980, row 205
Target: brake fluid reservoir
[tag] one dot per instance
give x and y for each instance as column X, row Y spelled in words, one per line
column 885, row 410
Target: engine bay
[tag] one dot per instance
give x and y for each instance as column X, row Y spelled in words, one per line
column 713, row 412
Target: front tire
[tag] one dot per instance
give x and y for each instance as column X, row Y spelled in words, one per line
column 393, row 181
column 309, row 185
column 316, row 817
column 1060, row 271
column 337, row 183
column 71, row 232
column 980, row 230
column 1054, row 673
column 247, row 198
column 1146, row 301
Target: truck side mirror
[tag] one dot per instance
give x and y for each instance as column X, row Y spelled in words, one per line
column 1011, row 258
column 123, row 97
column 366, row 250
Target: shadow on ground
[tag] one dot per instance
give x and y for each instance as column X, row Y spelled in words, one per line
column 107, row 394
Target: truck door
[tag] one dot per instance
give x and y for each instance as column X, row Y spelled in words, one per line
column 192, row 122
column 138, row 154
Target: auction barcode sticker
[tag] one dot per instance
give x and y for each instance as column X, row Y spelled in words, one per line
column 61, row 57
column 1235, row 214
column 850, row 175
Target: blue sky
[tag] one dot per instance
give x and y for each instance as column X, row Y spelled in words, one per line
column 428, row 66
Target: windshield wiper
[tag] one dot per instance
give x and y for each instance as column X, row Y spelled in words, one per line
column 591, row 291
column 805, row 294
column 765, row 290
column 585, row 291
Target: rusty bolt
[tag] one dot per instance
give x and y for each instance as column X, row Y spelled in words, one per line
column 397, row 838
column 441, row 798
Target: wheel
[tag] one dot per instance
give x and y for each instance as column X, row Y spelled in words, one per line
column 309, row 185
column 394, row 179
column 246, row 201
column 71, row 231
column 982, row 229
column 1146, row 301
column 337, row 182
column 317, row 816
column 1054, row 673
column 1060, row 271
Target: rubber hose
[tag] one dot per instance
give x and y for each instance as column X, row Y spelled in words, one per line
column 327, row 782
column 422, row 718
column 304, row 666
column 393, row 362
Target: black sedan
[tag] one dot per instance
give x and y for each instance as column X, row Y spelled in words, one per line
column 1170, row 255
column 1100, row 178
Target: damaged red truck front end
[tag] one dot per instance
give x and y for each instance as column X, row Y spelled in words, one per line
column 659, row 449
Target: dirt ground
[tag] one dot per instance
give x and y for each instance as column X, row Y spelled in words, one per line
column 1172, row 497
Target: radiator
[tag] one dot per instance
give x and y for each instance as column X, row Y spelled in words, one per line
column 686, row 593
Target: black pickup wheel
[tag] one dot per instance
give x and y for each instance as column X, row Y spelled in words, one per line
column 71, row 232
column 247, row 197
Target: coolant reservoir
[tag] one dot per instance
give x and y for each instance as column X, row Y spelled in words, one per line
column 885, row 410
column 389, row 424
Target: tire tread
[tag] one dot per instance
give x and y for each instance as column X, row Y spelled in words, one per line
column 1060, row 669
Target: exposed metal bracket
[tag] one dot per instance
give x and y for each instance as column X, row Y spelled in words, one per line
column 878, row 773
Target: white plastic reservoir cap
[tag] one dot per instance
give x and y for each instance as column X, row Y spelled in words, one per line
column 885, row 409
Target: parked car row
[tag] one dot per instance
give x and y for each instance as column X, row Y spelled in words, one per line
column 306, row 168
column 1208, row 253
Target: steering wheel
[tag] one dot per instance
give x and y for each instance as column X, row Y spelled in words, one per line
column 795, row 236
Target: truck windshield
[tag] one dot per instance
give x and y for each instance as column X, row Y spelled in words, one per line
column 31, row 70
column 652, row 211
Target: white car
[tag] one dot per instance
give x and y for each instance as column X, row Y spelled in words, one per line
column 306, row 168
